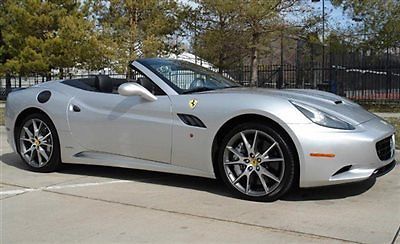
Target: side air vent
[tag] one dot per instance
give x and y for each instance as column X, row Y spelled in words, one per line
column 191, row 120
column 342, row 170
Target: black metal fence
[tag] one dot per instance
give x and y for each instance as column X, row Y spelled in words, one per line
column 366, row 83
column 361, row 83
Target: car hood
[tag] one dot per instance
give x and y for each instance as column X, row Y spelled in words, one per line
column 325, row 101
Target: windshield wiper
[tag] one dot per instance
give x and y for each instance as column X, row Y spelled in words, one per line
column 197, row 89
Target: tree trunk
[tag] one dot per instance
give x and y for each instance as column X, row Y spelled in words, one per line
column 220, row 61
column 133, row 21
column 48, row 76
column 254, row 60
column 254, row 66
column 222, row 50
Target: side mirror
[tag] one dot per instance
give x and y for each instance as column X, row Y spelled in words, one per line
column 134, row 89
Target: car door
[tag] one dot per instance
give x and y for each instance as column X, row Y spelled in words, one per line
column 122, row 125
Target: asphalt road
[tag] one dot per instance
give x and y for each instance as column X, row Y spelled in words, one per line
column 93, row 204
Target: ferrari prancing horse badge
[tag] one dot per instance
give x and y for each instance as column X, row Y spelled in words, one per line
column 192, row 103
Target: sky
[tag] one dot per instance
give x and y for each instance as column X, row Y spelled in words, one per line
column 335, row 17
column 335, row 14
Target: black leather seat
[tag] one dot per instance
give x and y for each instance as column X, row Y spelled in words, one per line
column 103, row 83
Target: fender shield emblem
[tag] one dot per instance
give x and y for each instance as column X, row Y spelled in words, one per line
column 192, row 103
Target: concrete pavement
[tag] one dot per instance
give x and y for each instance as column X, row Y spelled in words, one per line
column 388, row 115
column 93, row 204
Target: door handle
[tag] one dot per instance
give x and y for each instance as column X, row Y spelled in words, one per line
column 74, row 108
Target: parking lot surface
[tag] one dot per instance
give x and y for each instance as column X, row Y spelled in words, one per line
column 93, row 204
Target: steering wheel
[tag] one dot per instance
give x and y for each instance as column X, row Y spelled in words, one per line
column 198, row 82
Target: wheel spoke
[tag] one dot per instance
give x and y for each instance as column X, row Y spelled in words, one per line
column 44, row 137
column 39, row 127
column 246, row 143
column 265, row 172
column 39, row 158
column 239, row 177
column 263, row 183
column 28, row 132
column 31, row 156
column 35, row 128
column 235, row 163
column 30, row 149
column 46, row 144
column 234, row 151
column 272, row 160
column 265, row 154
column 43, row 153
column 253, row 147
column 26, row 139
column 248, row 183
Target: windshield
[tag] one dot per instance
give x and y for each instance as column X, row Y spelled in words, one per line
column 187, row 77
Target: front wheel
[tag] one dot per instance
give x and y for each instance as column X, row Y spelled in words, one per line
column 256, row 162
column 37, row 143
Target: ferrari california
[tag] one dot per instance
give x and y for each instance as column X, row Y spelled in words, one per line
column 178, row 117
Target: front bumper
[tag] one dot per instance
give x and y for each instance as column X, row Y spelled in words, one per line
column 385, row 169
column 355, row 154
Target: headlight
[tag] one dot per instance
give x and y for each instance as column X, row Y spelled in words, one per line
column 322, row 118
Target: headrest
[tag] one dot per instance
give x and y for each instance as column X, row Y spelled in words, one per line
column 103, row 83
column 146, row 83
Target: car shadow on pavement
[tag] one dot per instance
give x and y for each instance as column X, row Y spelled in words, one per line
column 330, row 192
column 195, row 183
column 135, row 175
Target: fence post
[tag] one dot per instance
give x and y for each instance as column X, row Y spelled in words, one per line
column 388, row 82
column 279, row 82
column 388, row 73
column 8, row 83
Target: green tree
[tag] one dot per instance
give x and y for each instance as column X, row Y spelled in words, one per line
column 4, row 52
column 379, row 21
column 138, row 28
column 41, row 35
column 259, row 19
column 218, row 36
column 234, row 30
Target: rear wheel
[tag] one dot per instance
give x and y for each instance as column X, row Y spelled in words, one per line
column 256, row 162
column 37, row 143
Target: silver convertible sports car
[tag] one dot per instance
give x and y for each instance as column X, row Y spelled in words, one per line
column 174, row 116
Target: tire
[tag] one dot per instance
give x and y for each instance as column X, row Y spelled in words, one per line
column 33, row 147
column 269, row 177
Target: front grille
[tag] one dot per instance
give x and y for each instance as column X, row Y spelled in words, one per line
column 385, row 148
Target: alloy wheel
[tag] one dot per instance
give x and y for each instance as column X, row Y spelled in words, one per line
column 254, row 163
column 36, row 143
